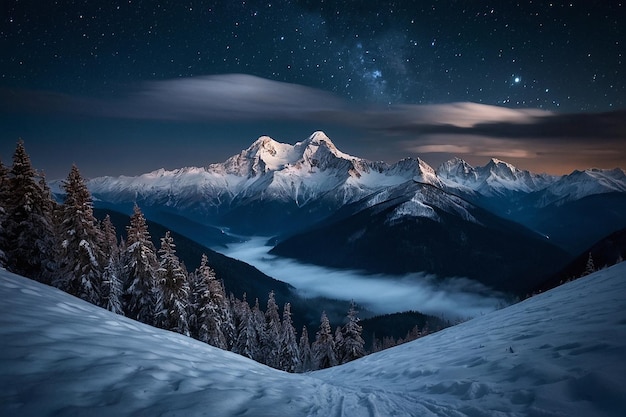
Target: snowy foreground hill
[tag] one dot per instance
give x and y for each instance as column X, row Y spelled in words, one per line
column 562, row 353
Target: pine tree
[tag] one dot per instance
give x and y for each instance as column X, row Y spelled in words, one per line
column 249, row 331
column 338, row 344
column 304, row 348
column 28, row 226
column 376, row 344
column 271, row 335
column 352, row 345
column 246, row 343
column 4, row 195
column 111, row 279
column 172, row 289
column 323, row 349
column 289, row 355
column 590, row 267
column 49, row 242
column 140, row 266
column 83, row 260
column 212, row 315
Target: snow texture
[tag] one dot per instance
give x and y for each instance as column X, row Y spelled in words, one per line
column 562, row 353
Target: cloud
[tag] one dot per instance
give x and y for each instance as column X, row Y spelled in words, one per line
column 533, row 139
column 453, row 116
column 453, row 298
column 228, row 97
column 218, row 97
column 536, row 139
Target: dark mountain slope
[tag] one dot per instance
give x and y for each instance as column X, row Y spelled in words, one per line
column 576, row 225
column 418, row 227
column 606, row 252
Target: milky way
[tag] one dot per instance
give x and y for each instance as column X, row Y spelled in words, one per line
column 546, row 54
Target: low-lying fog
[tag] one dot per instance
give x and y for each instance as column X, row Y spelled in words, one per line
column 453, row 298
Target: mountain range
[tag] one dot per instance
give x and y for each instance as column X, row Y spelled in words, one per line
column 495, row 223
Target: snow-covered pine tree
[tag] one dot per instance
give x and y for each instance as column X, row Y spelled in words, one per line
column 28, row 226
column 140, row 266
column 172, row 289
column 271, row 336
column 338, row 344
column 249, row 330
column 245, row 343
column 212, row 314
column 590, row 267
column 257, row 322
column 304, row 349
column 4, row 195
column 289, row 354
column 352, row 345
column 376, row 344
column 192, row 306
column 50, row 244
column 323, row 348
column 111, row 279
column 83, row 260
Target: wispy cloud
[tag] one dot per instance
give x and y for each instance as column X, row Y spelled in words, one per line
column 227, row 97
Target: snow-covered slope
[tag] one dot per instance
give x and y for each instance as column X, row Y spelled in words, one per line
column 562, row 353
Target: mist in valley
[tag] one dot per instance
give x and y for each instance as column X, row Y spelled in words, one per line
column 455, row 298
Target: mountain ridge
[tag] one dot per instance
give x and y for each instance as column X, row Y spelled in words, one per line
column 274, row 188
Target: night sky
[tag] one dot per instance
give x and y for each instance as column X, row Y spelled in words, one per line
column 124, row 87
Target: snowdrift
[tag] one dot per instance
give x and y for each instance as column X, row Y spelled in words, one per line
column 562, row 353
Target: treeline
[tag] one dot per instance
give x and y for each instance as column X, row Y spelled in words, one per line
column 65, row 246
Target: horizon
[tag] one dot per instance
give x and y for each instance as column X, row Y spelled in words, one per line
column 434, row 160
column 127, row 88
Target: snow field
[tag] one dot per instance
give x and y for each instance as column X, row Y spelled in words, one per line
column 562, row 353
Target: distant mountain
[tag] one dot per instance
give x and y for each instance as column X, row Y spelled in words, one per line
column 581, row 184
column 268, row 187
column 274, row 188
column 418, row 227
column 573, row 210
column 497, row 178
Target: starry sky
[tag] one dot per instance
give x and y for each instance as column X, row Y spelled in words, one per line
column 125, row 87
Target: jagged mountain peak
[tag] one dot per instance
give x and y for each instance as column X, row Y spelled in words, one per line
column 500, row 168
column 497, row 177
column 318, row 137
column 319, row 143
column 456, row 168
column 583, row 183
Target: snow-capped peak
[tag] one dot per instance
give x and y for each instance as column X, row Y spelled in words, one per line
column 457, row 169
column 501, row 169
column 319, row 142
column 495, row 178
column 319, row 137
column 580, row 184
